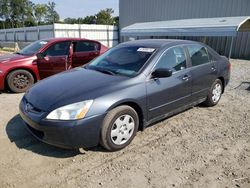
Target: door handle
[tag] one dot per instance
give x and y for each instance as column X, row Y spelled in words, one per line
column 34, row 62
column 186, row 77
column 94, row 53
column 46, row 58
column 213, row 68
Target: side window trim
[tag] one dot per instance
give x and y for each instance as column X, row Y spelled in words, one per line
column 189, row 62
column 208, row 54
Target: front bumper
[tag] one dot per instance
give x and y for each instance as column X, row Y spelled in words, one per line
column 75, row 134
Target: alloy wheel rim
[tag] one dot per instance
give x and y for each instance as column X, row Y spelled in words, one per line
column 21, row 81
column 216, row 93
column 122, row 129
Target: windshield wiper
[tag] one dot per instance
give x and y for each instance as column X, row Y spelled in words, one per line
column 105, row 71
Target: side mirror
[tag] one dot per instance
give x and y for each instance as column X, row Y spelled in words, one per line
column 40, row 56
column 162, row 73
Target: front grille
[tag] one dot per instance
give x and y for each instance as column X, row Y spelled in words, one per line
column 29, row 107
column 35, row 110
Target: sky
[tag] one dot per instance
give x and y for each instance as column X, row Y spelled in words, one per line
column 81, row 8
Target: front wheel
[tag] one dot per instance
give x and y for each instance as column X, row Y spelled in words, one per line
column 119, row 128
column 20, row 80
column 215, row 93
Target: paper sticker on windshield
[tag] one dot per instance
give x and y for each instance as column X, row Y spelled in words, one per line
column 148, row 50
column 43, row 42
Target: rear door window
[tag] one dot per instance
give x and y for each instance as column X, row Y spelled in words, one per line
column 198, row 55
column 58, row 49
column 86, row 46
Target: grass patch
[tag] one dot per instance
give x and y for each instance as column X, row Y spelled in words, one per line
column 5, row 49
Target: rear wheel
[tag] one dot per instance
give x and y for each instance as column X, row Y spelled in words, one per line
column 20, row 80
column 215, row 93
column 119, row 128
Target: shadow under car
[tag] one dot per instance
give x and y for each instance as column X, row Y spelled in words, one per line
column 18, row 134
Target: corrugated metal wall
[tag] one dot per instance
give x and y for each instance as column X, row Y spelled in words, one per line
column 134, row 11
column 106, row 34
column 26, row 34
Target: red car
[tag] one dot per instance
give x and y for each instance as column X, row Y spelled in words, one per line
column 44, row 58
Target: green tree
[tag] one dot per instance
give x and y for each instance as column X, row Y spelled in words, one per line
column 70, row 20
column 28, row 15
column 80, row 21
column 116, row 19
column 16, row 13
column 5, row 13
column 40, row 12
column 19, row 13
column 89, row 20
column 17, row 10
column 52, row 16
column 105, row 17
column 102, row 17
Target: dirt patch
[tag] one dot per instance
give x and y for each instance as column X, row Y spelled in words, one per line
column 201, row 147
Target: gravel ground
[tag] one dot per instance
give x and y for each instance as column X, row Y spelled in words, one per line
column 201, row 147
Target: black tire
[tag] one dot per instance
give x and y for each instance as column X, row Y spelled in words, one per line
column 210, row 102
column 109, row 123
column 20, row 80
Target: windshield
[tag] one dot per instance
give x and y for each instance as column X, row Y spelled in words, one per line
column 122, row 60
column 33, row 47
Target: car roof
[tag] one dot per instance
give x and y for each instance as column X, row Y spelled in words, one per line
column 64, row 39
column 159, row 43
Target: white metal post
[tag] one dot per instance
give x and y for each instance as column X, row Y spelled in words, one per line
column 38, row 33
column 108, row 35
column 231, row 47
column 80, row 30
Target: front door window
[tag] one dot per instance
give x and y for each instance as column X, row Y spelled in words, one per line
column 174, row 59
column 58, row 49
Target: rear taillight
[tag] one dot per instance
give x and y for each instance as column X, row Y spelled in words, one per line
column 229, row 66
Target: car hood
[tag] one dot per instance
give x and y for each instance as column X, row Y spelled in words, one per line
column 71, row 86
column 11, row 57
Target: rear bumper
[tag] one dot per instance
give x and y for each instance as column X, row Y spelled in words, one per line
column 83, row 133
column 227, row 78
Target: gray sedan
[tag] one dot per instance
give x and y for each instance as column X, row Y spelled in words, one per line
column 131, row 86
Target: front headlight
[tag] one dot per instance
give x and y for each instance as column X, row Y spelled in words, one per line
column 71, row 112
